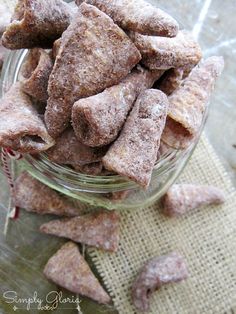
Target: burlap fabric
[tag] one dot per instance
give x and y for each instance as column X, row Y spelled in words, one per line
column 206, row 237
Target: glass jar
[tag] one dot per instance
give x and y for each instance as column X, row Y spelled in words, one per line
column 111, row 192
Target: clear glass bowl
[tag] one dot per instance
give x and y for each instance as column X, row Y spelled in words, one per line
column 101, row 191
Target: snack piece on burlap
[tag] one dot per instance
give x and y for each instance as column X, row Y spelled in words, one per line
column 68, row 269
column 21, row 128
column 139, row 16
column 156, row 273
column 34, row 196
column 171, row 80
column 98, row 119
column 134, row 153
column 35, row 73
column 69, row 151
column 165, row 53
column 5, row 17
column 182, row 198
column 94, row 54
column 188, row 103
column 37, row 23
column 100, row 230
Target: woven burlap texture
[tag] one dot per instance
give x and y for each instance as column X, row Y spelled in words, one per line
column 206, row 237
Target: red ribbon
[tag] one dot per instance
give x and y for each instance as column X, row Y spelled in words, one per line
column 6, row 155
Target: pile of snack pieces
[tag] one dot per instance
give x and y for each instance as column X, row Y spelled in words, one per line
column 92, row 78
column 121, row 79
column 100, row 229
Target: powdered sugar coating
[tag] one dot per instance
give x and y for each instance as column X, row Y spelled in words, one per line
column 188, row 103
column 98, row 119
column 182, row 198
column 165, row 53
column 35, row 74
column 34, row 196
column 69, row 151
column 21, row 128
column 68, row 269
column 37, row 23
column 95, row 54
column 100, row 230
column 134, row 153
column 156, row 273
column 139, row 16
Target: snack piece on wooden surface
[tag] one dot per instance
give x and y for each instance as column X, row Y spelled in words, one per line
column 69, row 151
column 34, row 196
column 188, row 103
column 35, row 74
column 182, row 198
column 94, row 54
column 98, row 119
column 165, row 53
column 5, row 17
column 21, row 128
column 134, row 153
column 139, row 16
column 100, row 230
column 156, row 273
column 37, row 23
column 68, row 269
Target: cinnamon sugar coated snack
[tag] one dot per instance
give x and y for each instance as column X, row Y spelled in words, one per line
column 37, row 23
column 139, row 16
column 91, row 47
column 171, row 80
column 98, row 119
column 92, row 78
column 34, row 196
column 35, row 74
column 156, row 273
column 100, row 230
column 134, row 153
column 69, row 151
column 21, row 128
column 188, row 103
column 182, row 198
column 68, row 269
column 165, row 53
